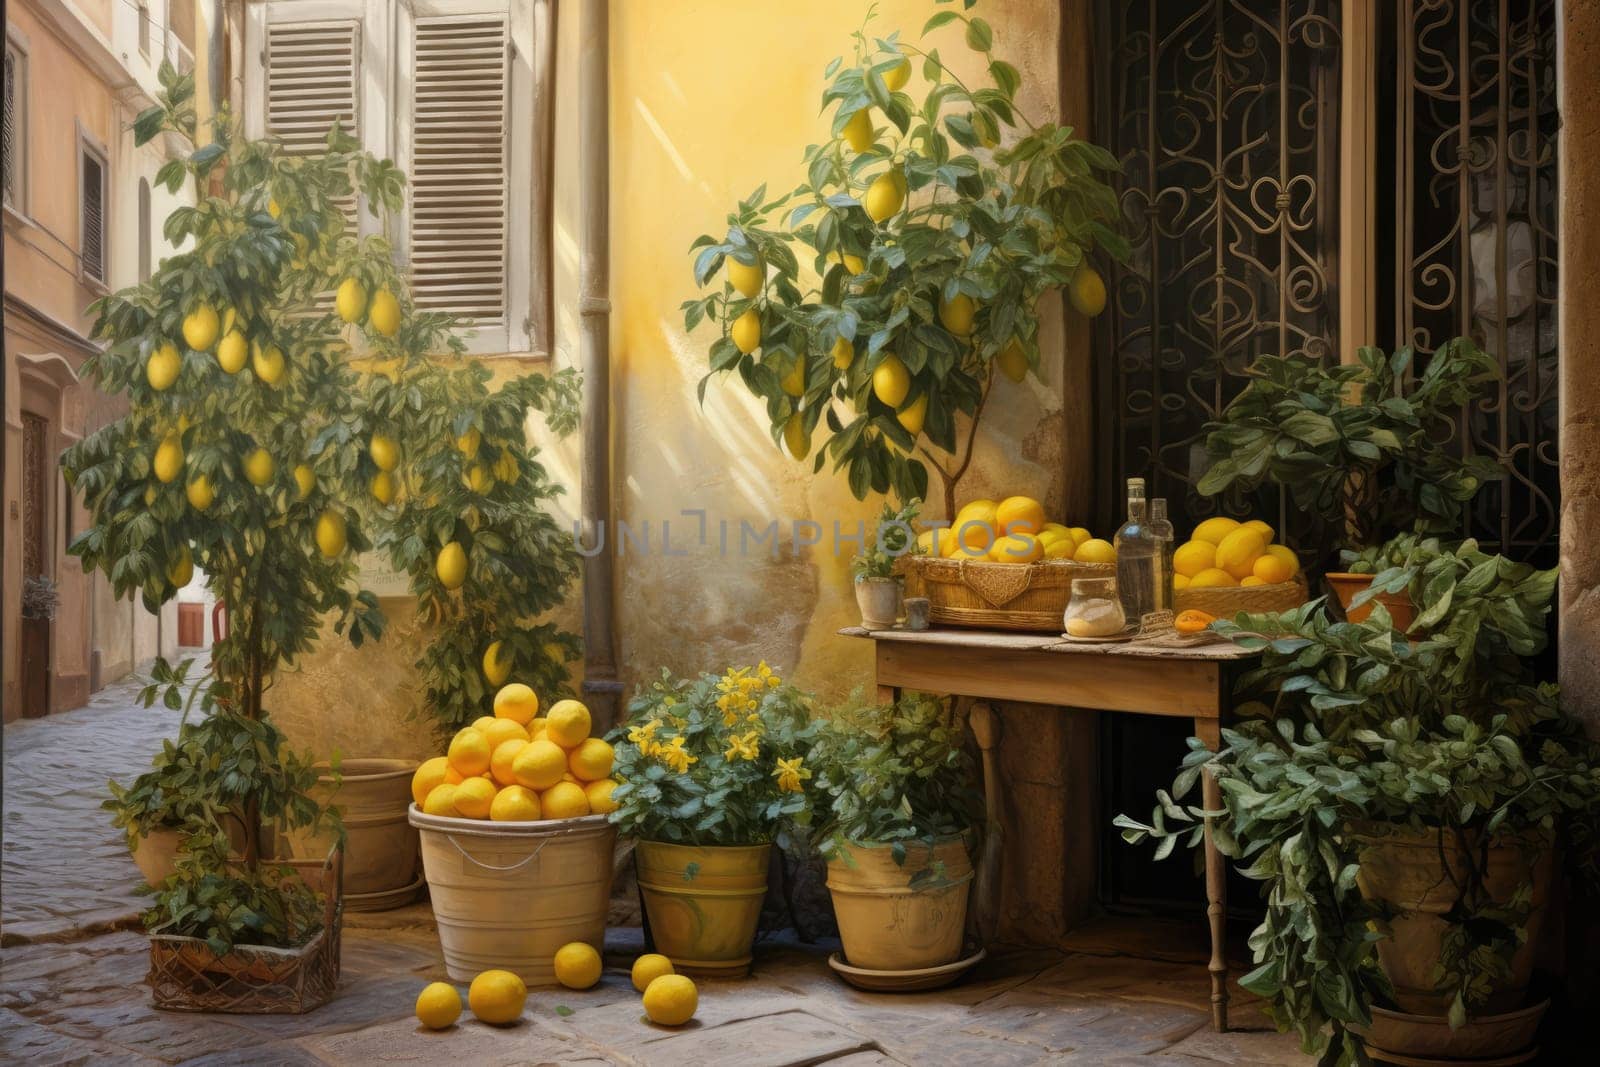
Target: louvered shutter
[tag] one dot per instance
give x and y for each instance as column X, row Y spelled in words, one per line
column 93, row 218
column 459, row 134
column 312, row 81
column 9, row 149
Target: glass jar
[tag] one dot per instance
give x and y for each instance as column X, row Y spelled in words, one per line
column 1094, row 610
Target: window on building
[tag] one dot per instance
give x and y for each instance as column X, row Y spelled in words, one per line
column 146, row 268
column 92, row 213
column 13, row 154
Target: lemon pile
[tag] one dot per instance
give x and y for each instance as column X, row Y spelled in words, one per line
column 1013, row 530
column 1224, row 552
column 514, row 766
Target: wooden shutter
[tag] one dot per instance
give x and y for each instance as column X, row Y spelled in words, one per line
column 92, row 250
column 459, row 134
column 12, row 128
column 312, row 81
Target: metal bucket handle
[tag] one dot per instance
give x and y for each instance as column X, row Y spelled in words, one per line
column 492, row 867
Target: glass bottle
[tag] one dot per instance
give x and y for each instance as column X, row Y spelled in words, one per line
column 1094, row 610
column 1161, row 527
column 1138, row 558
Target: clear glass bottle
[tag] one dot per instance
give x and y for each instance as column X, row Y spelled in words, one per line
column 1161, row 526
column 1138, row 558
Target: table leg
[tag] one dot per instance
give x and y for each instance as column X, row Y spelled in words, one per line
column 888, row 694
column 1208, row 730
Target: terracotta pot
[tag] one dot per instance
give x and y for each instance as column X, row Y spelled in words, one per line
column 1429, row 1039
column 1346, row 586
column 156, row 853
column 373, row 796
column 885, row 923
column 1408, row 872
column 879, row 601
column 703, row 903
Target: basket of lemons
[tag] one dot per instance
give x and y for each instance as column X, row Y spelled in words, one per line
column 1003, row 566
column 1229, row 566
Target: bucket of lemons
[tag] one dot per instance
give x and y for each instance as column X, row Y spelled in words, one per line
column 516, row 845
column 1228, row 566
column 1002, row 565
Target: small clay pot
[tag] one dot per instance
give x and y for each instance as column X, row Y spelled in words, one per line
column 879, row 601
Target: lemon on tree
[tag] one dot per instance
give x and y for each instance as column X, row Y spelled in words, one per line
column 795, row 436
column 451, row 566
column 305, row 480
column 182, row 570
column 496, row 665
column 232, row 351
column 200, row 492
column 886, row 195
column 746, row 331
column 747, row 279
column 267, row 363
column 168, row 463
column 914, row 415
column 383, row 487
column 259, row 467
column 350, row 301
column 384, row 313
column 1013, row 360
column 857, row 131
column 891, row 382
column 957, row 314
column 843, row 353
column 161, row 370
column 331, row 533
column 1087, row 291
column 200, row 328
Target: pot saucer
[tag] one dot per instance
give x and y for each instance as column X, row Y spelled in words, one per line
column 384, row 900
column 904, row 981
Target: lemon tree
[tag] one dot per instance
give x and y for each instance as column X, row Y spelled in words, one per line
column 876, row 302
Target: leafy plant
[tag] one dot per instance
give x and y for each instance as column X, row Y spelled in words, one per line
column 715, row 761
column 892, row 539
column 225, row 904
column 902, row 309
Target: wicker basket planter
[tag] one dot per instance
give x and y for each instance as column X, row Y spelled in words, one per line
column 185, row 975
column 999, row 596
column 1227, row 601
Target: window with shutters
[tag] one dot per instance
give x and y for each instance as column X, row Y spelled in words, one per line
column 13, row 154
column 92, row 212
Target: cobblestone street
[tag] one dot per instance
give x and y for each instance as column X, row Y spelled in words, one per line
column 73, row 963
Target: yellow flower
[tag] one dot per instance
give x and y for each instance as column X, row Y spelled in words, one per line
column 746, row 747
column 790, row 774
column 765, row 672
column 675, row 757
column 642, row 735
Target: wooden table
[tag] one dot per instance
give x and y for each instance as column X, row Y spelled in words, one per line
column 1189, row 682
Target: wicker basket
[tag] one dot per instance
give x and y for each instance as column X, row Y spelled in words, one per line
column 185, row 975
column 998, row 596
column 1227, row 601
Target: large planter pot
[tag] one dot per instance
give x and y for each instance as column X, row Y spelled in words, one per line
column 703, row 903
column 886, row 924
column 1417, row 878
column 1397, row 1037
column 373, row 796
column 1347, row 586
column 156, row 853
column 879, row 601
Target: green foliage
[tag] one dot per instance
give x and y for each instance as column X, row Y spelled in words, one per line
column 1314, row 428
column 715, row 761
column 225, row 903
column 892, row 539
column 999, row 210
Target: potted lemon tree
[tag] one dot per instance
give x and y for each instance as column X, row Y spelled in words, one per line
column 712, row 773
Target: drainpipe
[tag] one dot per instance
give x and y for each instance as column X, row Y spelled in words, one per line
column 601, row 688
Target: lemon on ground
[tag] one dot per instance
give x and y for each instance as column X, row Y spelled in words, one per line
column 1180, row 581
column 1019, row 514
column 1087, row 291
column 267, row 363
column 1013, row 360
column 564, row 800
column 591, row 760
column 305, row 479
column 474, row 797
column 648, row 968
column 567, row 723
column 1080, row 534
column 169, row 458
column 1212, row 578
column 1286, row 554
column 746, row 331
column 496, row 997
column 540, row 765
column 232, row 351
column 200, row 328
column 499, row 731
column 857, row 131
column 1267, row 532
column 182, row 569
column 843, row 352
column 1237, row 553
column 384, row 451
column 504, row 758
column 1251, row 579
column 383, row 487
column 469, row 752
column 794, row 382
column 1192, row 557
column 1016, row 548
column 885, row 196
column 431, row 773
column 451, row 565
column 747, row 279
column 1270, row 569
column 599, row 796
column 200, row 493
column 351, row 300
column 496, row 668
column 441, row 800
column 577, row 965
column 895, row 78
column 516, row 701
column 438, row 1005
column 384, row 315
column 162, row 368
column 515, row 803
column 795, row 438
column 1215, row 529
column 1095, row 550
column 891, row 382
column 671, row 1000
column 330, row 533
column 956, row 314
column 467, row 444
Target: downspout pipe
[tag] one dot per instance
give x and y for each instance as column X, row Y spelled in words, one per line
column 601, row 688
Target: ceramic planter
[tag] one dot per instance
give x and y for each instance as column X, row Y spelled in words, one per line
column 381, row 852
column 1347, row 586
column 886, row 924
column 879, row 601
column 703, row 903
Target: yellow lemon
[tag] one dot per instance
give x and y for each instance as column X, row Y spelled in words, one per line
column 895, row 77
column 794, row 382
column 200, row 493
column 567, row 723
column 451, row 565
column 564, row 800
column 853, row 264
column 274, row 210
column 933, row 542
column 536, row 729
column 1286, row 554
column 497, row 997
column 495, row 669
column 577, row 965
column 957, row 313
column 1064, row 548
column 515, row 803
column 162, row 368
column 441, row 800
column 384, row 452
column 1080, row 534
column 963, row 551
column 474, row 797
column 891, row 382
column 506, row 468
column 330, row 533
column 433, row 772
column 1251, row 579
column 1013, row 360
column 384, row 315
column 502, row 763
column 913, row 415
column 1180, row 581
column 267, row 363
column 746, row 331
column 1192, row 557
column 383, row 487
column 258, row 467
column 1270, row 569
column 671, row 1000
column 469, row 752
column 648, row 968
column 478, row 479
column 200, row 328
column 1237, row 553
column 858, row 131
column 481, row 721
column 1212, row 578
column 1215, row 529
column 1053, row 535
column 1087, row 291
column 746, row 279
column 351, row 300
column 1095, row 550
column 795, row 438
column 231, row 353
column 599, row 796
column 1267, row 532
column 1018, row 548
column 976, row 524
column 590, row 760
column 540, row 765
column 885, row 196
column 516, row 701
column 499, row 731
column 1019, row 514
column 438, row 1005
column 467, row 444
column 843, row 354
column 182, row 569
column 169, row 458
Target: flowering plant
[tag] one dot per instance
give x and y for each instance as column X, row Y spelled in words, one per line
column 714, row 761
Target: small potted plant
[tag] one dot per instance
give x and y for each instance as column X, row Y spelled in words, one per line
column 879, row 589
column 896, row 807
column 711, row 775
